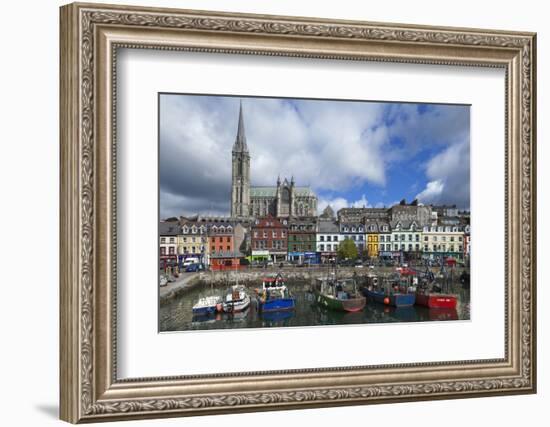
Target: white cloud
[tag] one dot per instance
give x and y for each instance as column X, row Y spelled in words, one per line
column 449, row 174
column 338, row 203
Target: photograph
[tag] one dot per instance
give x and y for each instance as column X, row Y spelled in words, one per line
column 290, row 212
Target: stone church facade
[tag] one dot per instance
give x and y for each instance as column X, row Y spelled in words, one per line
column 283, row 200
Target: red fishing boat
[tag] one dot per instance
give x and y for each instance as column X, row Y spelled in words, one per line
column 435, row 300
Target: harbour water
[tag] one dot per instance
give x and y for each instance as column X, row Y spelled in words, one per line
column 176, row 315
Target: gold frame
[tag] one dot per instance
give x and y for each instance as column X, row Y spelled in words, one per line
column 90, row 36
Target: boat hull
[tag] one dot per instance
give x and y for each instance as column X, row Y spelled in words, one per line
column 395, row 300
column 350, row 305
column 204, row 311
column 279, row 304
column 436, row 300
column 230, row 307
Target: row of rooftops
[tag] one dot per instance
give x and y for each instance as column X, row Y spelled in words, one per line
column 312, row 225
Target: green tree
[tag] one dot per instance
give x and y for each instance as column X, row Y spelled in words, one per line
column 347, row 250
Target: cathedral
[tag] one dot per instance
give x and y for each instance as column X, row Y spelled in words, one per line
column 283, row 200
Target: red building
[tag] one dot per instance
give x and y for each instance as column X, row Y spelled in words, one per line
column 269, row 236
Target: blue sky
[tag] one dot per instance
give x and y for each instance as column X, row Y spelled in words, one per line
column 351, row 153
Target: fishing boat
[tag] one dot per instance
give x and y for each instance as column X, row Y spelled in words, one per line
column 430, row 299
column 339, row 295
column 394, row 295
column 274, row 295
column 206, row 305
column 236, row 299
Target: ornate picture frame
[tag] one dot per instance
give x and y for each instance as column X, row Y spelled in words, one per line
column 90, row 37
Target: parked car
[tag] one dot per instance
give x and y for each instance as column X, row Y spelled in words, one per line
column 190, row 260
column 193, row 268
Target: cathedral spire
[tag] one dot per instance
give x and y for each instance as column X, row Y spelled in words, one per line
column 240, row 140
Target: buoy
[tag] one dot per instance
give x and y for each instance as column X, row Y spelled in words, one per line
column 386, row 300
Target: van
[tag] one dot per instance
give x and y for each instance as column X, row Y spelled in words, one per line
column 189, row 261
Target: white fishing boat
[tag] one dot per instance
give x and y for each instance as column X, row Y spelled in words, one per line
column 207, row 305
column 236, row 299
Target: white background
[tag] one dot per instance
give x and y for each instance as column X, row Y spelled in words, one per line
column 29, row 170
column 141, row 347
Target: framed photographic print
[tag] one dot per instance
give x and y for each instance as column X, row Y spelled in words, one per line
column 265, row 212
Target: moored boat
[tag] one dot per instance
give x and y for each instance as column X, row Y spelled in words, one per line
column 236, row 299
column 274, row 295
column 396, row 296
column 435, row 300
column 206, row 305
column 339, row 295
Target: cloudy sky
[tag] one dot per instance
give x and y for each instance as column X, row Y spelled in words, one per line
column 349, row 153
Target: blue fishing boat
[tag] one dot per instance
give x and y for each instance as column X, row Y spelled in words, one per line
column 395, row 296
column 275, row 296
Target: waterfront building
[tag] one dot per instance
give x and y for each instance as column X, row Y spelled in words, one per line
column 385, row 242
column 302, row 240
column 356, row 232
column 194, row 241
column 283, row 200
column 168, row 244
column 328, row 237
column 443, row 241
column 269, row 239
column 406, row 238
column 372, row 237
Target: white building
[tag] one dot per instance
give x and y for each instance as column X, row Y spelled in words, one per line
column 328, row 239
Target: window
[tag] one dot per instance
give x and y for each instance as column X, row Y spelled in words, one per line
column 264, row 234
column 417, row 237
column 228, row 239
column 255, row 234
column 214, row 248
column 443, row 238
column 402, row 237
column 417, row 247
column 193, row 249
column 395, row 237
column 410, row 247
column 335, row 238
column 460, row 249
column 426, row 248
column 328, row 248
column 435, row 238
column 322, row 238
column 322, row 247
column 163, row 251
column 435, row 248
column 274, row 234
column 220, row 239
column 228, row 248
column 460, row 238
column 283, row 234
column 353, row 237
column 410, row 237
column 335, row 247
column 361, row 237
column 425, row 238
column 452, row 238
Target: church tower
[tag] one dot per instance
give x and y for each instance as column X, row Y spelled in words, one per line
column 240, row 177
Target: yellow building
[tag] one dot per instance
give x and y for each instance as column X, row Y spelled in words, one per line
column 193, row 242
column 373, row 230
